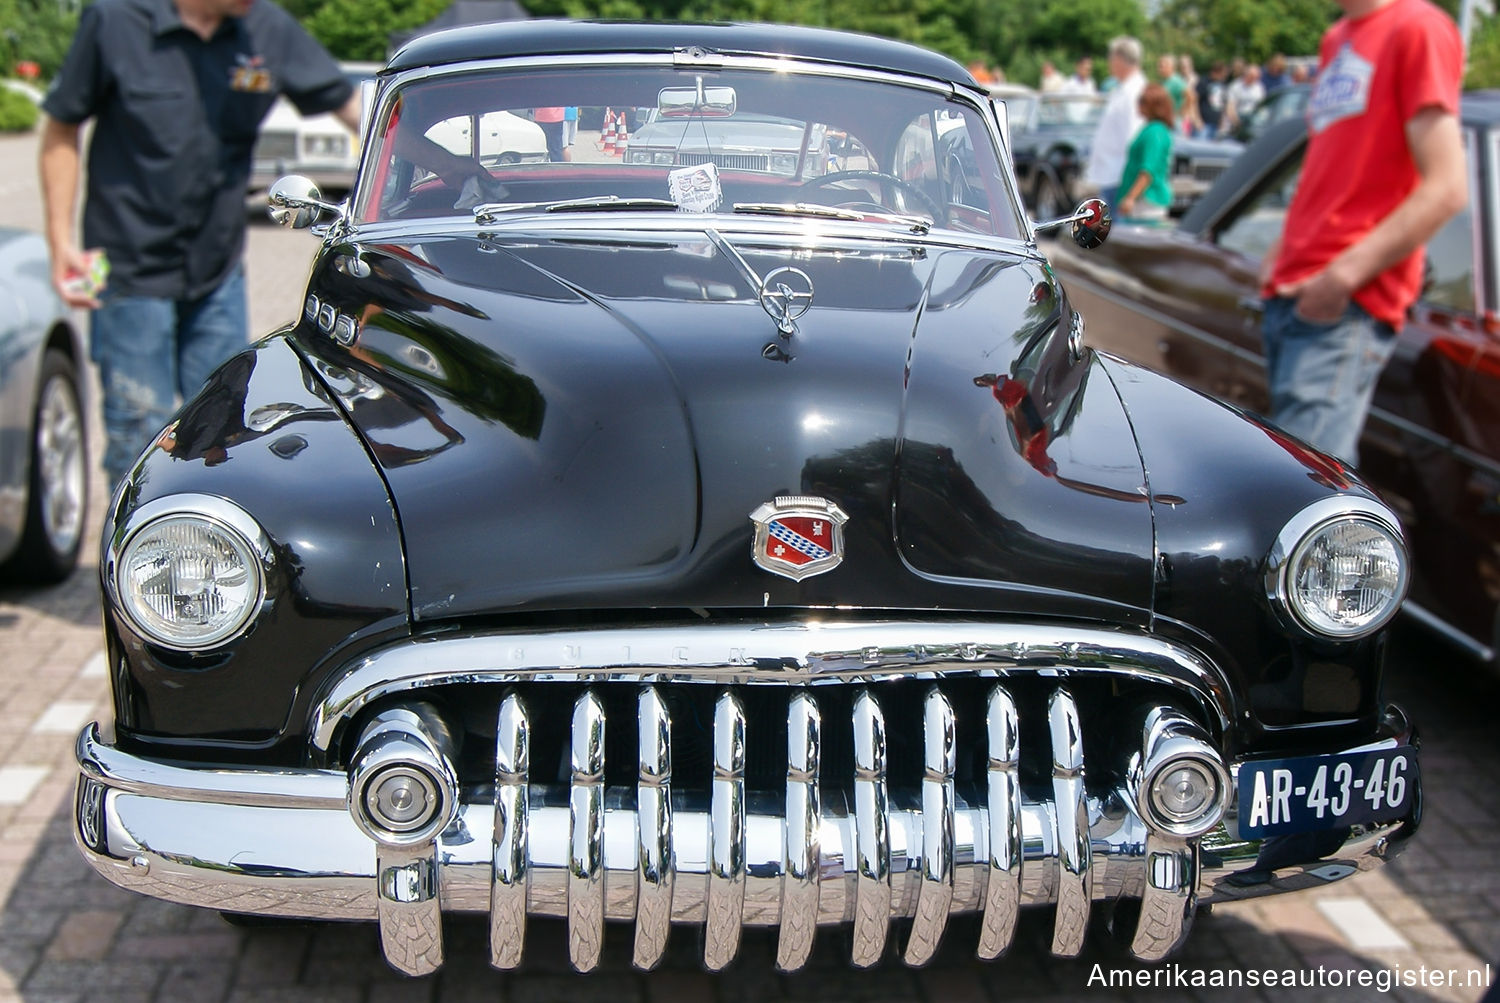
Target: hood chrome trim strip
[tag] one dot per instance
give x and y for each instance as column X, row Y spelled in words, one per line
column 783, row 654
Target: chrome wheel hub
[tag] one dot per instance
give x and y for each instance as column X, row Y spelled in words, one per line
column 60, row 461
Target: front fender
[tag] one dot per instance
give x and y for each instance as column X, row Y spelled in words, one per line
column 260, row 431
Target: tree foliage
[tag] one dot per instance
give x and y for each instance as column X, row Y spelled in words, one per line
column 1014, row 35
column 37, row 31
column 362, row 29
column 1484, row 54
column 1252, row 29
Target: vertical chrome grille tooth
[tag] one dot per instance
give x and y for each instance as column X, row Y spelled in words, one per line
column 801, row 850
column 586, row 835
column 1169, row 899
column 872, row 894
column 1002, row 899
column 409, row 909
column 939, row 763
column 1074, row 853
column 726, row 865
column 655, row 863
column 510, row 875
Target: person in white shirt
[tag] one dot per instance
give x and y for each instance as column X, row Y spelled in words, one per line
column 1051, row 79
column 1081, row 80
column 1245, row 93
column 1121, row 118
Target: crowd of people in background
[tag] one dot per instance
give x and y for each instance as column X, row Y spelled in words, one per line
column 1130, row 156
column 1209, row 104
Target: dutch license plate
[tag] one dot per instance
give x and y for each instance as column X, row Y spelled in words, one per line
column 1279, row 796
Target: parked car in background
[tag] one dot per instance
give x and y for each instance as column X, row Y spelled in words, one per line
column 43, row 456
column 1196, row 165
column 505, row 138
column 1284, row 103
column 679, row 132
column 717, row 545
column 1051, row 134
column 318, row 146
column 1185, row 301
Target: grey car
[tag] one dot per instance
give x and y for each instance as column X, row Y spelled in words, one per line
column 43, row 460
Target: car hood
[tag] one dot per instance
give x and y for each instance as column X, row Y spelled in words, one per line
column 736, row 135
column 584, row 421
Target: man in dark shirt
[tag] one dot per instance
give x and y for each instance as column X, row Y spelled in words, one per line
column 177, row 89
column 1211, row 91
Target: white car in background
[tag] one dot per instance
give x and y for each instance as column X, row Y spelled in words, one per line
column 317, row 146
column 504, row 138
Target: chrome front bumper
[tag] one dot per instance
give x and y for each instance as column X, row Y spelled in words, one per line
column 285, row 843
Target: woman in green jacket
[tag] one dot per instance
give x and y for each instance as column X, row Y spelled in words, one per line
column 1146, row 181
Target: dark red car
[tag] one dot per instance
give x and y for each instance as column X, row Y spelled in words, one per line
column 1184, row 299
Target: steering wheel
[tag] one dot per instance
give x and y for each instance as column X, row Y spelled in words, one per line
column 904, row 187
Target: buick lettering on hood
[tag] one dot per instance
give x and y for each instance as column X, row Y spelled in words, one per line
column 740, row 536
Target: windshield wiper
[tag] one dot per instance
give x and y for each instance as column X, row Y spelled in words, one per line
column 917, row 224
column 486, row 212
column 796, row 209
column 608, row 202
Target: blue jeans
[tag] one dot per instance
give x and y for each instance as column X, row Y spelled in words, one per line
column 151, row 350
column 1322, row 376
column 1108, row 193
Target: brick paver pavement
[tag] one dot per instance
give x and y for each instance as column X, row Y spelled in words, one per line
column 67, row 935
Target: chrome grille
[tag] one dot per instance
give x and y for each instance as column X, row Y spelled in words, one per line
column 793, row 775
column 897, row 859
column 276, row 146
column 727, row 161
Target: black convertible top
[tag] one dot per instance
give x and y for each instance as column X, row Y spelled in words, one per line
column 555, row 37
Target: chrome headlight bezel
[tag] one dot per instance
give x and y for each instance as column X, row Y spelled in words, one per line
column 223, row 517
column 1298, row 535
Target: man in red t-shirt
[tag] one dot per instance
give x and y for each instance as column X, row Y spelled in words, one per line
column 1384, row 171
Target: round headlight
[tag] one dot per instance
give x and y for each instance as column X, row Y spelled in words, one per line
column 188, row 580
column 1345, row 575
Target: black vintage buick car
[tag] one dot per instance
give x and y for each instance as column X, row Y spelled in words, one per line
column 727, row 543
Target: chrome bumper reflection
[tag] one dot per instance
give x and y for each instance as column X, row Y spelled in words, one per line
column 285, row 843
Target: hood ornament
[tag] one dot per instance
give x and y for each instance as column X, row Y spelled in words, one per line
column 786, row 294
column 798, row 537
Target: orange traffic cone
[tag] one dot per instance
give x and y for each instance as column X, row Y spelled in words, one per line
column 607, row 134
column 622, row 135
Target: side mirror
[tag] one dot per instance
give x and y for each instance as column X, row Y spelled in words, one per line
column 296, row 203
column 1091, row 222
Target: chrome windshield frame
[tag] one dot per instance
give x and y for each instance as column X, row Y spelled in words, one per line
column 392, row 85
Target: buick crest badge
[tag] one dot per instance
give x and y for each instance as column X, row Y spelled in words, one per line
column 798, row 537
column 786, row 294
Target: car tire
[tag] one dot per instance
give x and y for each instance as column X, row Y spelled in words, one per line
column 1048, row 199
column 508, row 158
column 57, row 485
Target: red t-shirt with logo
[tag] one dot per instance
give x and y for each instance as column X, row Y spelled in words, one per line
column 1376, row 72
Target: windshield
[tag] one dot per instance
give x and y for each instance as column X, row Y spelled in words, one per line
column 1080, row 110
column 485, row 143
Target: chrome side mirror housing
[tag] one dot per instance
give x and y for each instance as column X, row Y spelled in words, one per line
column 1091, row 222
column 296, row 203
